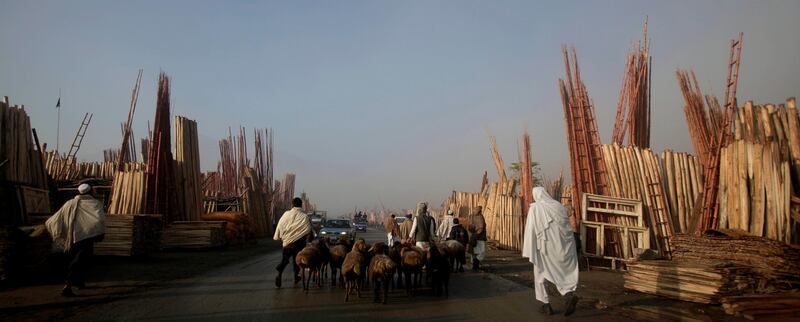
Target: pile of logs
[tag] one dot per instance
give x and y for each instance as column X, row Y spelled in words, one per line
column 635, row 173
column 505, row 222
column 194, row 234
column 187, row 170
column 700, row 282
column 62, row 170
column 683, row 181
column 777, row 306
column 776, row 264
column 130, row 235
column 20, row 157
column 128, row 192
column 757, row 170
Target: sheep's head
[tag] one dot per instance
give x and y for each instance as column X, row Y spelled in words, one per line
column 360, row 245
column 378, row 248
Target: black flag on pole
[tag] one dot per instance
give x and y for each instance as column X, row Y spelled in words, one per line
column 58, row 104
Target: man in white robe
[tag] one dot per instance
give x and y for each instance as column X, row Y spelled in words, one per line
column 75, row 228
column 549, row 243
column 447, row 224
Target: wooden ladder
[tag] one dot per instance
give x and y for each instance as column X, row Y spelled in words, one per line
column 711, row 185
column 76, row 144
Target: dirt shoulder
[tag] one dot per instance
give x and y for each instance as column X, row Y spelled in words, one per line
column 603, row 290
column 113, row 278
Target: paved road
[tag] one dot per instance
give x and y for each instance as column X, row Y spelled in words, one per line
column 245, row 291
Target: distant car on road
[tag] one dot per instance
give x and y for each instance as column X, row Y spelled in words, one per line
column 360, row 226
column 335, row 228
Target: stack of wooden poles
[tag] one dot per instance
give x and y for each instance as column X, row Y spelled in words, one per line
column 683, row 181
column 635, row 173
column 128, row 192
column 633, row 106
column 160, row 180
column 700, row 282
column 526, row 173
column 505, row 221
column 194, row 234
column 20, row 153
column 757, row 170
column 776, row 307
column 187, row 170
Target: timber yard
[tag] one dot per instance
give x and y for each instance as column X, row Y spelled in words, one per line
column 399, row 161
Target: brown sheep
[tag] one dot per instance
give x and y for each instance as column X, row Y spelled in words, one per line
column 439, row 270
column 381, row 273
column 354, row 268
column 309, row 259
column 325, row 257
column 455, row 252
column 338, row 253
column 412, row 262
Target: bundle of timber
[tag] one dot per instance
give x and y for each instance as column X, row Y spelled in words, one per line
column 187, row 170
column 757, row 170
column 160, row 192
column 130, row 235
column 700, row 282
column 465, row 203
column 635, row 173
column 194, row 234
column 776, row 264
column 20, row 153
column 128, row 192
column 505, row 221
column 62, row 169
column 775, row 306
column 239, row 227
column 683, row 180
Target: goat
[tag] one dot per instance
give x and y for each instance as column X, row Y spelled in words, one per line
column 381, row 273
column 325, row 257
column 309, row 260
column 354, row 269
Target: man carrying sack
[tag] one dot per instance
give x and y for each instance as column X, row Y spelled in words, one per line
column 75, row 228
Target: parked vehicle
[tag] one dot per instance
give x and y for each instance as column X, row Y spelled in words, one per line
column 334, row 228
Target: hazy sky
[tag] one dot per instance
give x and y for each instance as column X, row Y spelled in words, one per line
column 379, row 100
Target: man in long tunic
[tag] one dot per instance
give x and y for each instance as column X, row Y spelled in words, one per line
column 477, row 238
column 75, row 228
column 550, row 245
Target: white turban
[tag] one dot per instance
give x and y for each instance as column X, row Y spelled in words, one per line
column 84, row 188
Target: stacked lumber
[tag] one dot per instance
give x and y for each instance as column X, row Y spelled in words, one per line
column 20, row 156
column 700, row 282
column 703, row 116
column 583, row 139
column 187, row 170
column 160, row 191
column 633, row 106
column 776, row 264
column 61, row 169
column 128, row 192
column 635, row 173
column 239, row 227
column 465, row 203
column 130, row 235
column 683, row 181
column 755, row 306
column 526, row 172
column 194, row 234
column 757, row 170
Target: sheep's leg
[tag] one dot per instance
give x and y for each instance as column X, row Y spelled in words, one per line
column 303, row 277
column 333, row 276
column 376, row 290
column 359, row 285
column 408, row 282
column 347, row 291
column 386, row 288
column 319, row 282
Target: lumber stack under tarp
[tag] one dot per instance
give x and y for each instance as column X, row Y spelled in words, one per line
column 757, row 169
column 778, row 306
column 194, row 234
column 635, row 173
column 700, row 282
column 130, row 235
column 776, row 264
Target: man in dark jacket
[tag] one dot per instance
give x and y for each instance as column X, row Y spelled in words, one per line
column 423, row 229
column 458, row 233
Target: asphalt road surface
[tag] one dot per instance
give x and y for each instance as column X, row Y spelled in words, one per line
column 245, row 291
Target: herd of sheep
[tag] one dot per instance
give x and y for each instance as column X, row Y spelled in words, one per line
column 399, row 265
